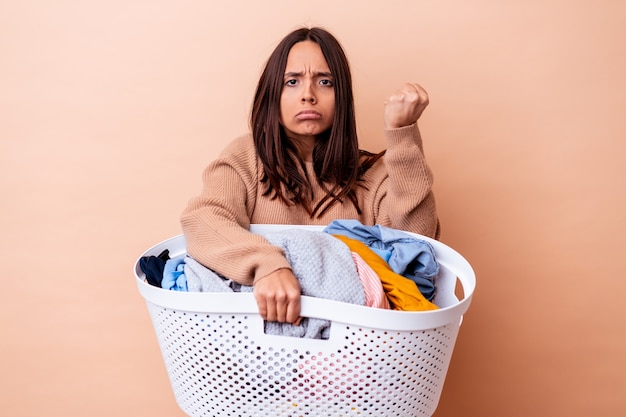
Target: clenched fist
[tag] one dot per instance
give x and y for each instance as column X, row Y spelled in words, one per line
column 278, row 296
column 405, row 106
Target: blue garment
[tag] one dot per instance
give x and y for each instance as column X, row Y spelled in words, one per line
column 410, row 257
column 174, row 274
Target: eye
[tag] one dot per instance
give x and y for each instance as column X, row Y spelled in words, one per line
column 326, row 82
column 291, row 82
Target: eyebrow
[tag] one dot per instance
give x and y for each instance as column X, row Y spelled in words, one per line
column 315, row 74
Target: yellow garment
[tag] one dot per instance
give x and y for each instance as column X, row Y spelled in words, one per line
column 402, row 292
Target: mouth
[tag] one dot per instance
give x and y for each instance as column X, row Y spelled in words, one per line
column 308, row 115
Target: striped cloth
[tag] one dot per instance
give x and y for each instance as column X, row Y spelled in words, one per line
column 372, row 286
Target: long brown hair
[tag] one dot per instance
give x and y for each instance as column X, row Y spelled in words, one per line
column 337, row 161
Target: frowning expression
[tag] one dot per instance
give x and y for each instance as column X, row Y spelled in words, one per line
column 307, row 102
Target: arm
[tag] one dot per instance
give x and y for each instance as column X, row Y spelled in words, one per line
column 216, row 226
column 216, row 222
column 405, row 199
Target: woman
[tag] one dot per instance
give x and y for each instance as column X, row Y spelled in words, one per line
column 301, row 165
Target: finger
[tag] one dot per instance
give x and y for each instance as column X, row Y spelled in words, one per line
column 293, row 311
column 281, row 309
column 262, row 305
column 271, row 311
column 265, row 304
column 406, row 94
column 399, row 95
column 421, row 92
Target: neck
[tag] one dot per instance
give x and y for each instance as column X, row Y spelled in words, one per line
column 304, row 145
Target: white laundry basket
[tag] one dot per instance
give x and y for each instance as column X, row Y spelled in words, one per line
column 375, row 363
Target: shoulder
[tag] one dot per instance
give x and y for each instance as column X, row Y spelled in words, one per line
column 239, row 153
column 241, row 146
column 239, row 156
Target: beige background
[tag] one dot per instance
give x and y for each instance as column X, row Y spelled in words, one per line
column 109, row 110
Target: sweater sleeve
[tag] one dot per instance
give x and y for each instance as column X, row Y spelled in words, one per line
column 216, row 223
column 403, row 198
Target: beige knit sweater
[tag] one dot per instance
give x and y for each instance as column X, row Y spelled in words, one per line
column 397, row 194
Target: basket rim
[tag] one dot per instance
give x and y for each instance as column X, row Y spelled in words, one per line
column 335, row 311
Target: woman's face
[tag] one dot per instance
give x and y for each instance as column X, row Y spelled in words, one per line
column 307, row 101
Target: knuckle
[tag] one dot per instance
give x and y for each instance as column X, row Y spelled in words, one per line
column 260, row 293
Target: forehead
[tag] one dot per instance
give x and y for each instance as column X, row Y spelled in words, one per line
column 306, row 55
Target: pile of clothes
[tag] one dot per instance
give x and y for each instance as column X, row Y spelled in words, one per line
column 375, row 266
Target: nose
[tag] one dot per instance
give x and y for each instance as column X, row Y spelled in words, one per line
column 308, row 95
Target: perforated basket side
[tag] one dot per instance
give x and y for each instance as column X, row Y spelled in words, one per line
column 219, row 366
